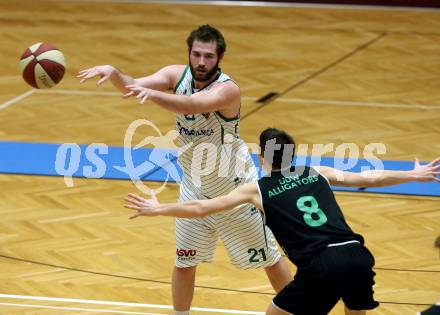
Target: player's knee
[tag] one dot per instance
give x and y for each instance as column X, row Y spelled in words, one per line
column 274, row 310
column 353, row 312
column 190, row 269
column 279, row 275
column 280, row 267
column 277, row 264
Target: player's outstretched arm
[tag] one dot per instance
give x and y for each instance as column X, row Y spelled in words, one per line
column 162, row 80
column 105, row 73
column 222, row 96
column 247, row 193
column 380, row 178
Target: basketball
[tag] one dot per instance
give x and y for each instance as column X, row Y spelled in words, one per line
column 43, row 65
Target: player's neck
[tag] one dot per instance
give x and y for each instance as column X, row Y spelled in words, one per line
column 198, row 85
column 268, row 169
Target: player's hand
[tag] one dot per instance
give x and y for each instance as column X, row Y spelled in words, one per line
column 104, row 72
column 143, row 207
column 141, row 93
column 428, row 172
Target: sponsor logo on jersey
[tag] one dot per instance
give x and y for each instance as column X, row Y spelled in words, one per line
column 194, row 132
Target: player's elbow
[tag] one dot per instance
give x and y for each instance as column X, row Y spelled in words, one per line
column 197, row 105
column 369, row 183
column 376, row 182
column 188, row 111
column 371, row 179
column 197, row 209
column 208, row 207
column 187, row 106
column 200, row 212
column 363, row 179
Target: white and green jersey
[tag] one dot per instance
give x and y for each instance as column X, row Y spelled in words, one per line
column 217, row 160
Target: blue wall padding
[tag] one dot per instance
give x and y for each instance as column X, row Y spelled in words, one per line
column 94, row 161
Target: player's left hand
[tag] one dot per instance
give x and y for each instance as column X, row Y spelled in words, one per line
column 427, row 172
column 141, row 93
column 144, row 207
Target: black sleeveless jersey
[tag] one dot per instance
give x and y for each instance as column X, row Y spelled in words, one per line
column 301, row 210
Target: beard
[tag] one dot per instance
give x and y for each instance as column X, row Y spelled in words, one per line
column 203, row 76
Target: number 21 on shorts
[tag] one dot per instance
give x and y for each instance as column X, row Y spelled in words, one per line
column 255, row 255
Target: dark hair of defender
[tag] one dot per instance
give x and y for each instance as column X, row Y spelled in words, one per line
column 282, row 138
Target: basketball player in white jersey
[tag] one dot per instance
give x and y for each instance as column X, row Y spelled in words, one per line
column 206, row 103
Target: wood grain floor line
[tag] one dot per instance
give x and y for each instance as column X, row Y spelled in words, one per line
column 76, row 309
column 302, row 101
column 17, row 99
column 113, row 303
column 317, row 73
column 40, row 263
column 242, row 290
column 357, row 104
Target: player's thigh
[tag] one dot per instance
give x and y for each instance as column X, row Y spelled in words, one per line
column 309, row 292
column 195, row 242
column 359, row 295
column 352, row 270
column 250, row 244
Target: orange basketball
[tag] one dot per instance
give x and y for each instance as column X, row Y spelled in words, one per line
column 43, row 65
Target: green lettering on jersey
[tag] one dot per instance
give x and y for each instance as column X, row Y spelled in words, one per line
column 291, row 182
column 313, row 215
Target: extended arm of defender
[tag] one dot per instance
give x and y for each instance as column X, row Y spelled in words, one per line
column 247, row 193
column 220, row 97
column 380, row 178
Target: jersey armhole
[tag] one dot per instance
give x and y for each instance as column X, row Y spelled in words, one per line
column 220, row 114
column 181, row 78
column 261, row 200
column 321, row 175
column 229, row 79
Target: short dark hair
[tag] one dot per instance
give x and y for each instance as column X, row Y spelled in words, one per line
column 272, row 137
column 205, row 34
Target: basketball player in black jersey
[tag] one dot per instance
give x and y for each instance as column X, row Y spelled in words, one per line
column 433, row 309
column 300, row 208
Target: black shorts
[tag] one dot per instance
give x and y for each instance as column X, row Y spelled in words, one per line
column 339, row 272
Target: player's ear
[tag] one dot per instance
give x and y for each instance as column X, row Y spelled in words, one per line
column 220, row 57
column 261, row 159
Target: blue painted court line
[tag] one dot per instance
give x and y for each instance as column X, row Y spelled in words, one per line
column 94, row 161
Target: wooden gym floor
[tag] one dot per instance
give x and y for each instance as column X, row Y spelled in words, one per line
column 344, row 75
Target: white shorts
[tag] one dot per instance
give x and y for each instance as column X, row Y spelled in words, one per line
column 250, row 244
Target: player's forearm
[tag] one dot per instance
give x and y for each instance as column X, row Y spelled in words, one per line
column 181, row 104
column 197, row 208
column 187, row 209
column 120, row 80
column 154, row 82
column 382, row 178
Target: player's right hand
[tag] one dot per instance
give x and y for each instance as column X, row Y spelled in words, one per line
column 104, row 72
column 142, row 206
